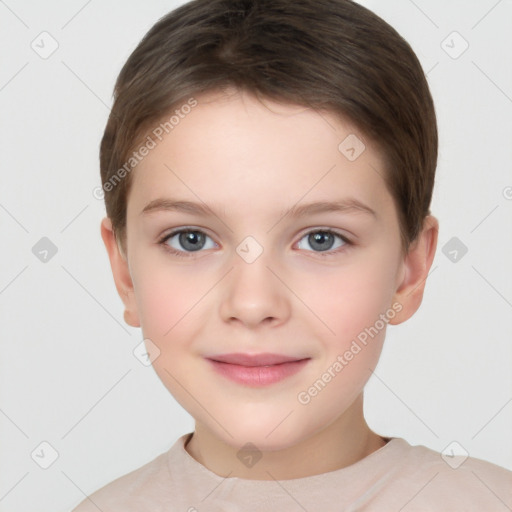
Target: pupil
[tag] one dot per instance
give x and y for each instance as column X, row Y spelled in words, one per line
column 318, row 241
column 191, row 240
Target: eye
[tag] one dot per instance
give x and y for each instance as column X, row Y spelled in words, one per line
column 323, row 240
column 185, row 241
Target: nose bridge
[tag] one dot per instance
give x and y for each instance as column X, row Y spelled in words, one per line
column 253, row 293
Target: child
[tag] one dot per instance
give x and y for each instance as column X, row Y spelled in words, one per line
column 244, row 136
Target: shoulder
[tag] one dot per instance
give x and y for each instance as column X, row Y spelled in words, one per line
column 435, row 481
column 133, row 491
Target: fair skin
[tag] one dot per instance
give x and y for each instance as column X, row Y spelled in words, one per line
column 250, row 163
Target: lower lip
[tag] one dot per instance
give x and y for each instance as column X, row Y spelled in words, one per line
column 258, row 376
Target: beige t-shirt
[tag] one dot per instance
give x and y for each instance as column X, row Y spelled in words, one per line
column 396, row 477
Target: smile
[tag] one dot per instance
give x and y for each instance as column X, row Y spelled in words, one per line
column 257, row 370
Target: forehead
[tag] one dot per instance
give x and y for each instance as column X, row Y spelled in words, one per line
column 234, row 149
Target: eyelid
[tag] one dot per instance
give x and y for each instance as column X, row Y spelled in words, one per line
column 303, row 233
column 181, row 229
column 314, row 229
column 347, row 241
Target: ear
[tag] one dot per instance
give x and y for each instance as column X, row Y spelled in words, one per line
column 415, row 268
column 121, row 273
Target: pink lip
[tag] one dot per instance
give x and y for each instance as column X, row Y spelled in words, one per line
column 257, row 370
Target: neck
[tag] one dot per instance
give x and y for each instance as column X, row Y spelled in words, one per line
column 340, row 444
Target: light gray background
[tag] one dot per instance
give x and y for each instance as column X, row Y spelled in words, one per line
column 68, row 374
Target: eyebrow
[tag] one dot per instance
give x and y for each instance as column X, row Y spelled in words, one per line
column 348, row 205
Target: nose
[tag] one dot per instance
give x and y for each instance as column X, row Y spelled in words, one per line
column 254, row 295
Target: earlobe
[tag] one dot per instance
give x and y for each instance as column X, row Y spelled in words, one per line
column 416, row 266
column 121, row 273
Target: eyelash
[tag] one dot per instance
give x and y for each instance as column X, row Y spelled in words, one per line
column 185, row 254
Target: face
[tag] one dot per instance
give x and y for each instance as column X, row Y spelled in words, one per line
column 226, row 257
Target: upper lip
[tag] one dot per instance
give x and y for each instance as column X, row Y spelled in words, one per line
column 254, row 359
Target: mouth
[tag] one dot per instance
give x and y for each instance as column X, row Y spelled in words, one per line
column 257, row 370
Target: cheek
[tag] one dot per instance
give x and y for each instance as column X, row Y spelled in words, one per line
column 166, row 298
column 350, row 302
column 352, row 299
column 170, row 312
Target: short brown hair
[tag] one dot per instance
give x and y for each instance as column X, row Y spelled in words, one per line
column 330, row 55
